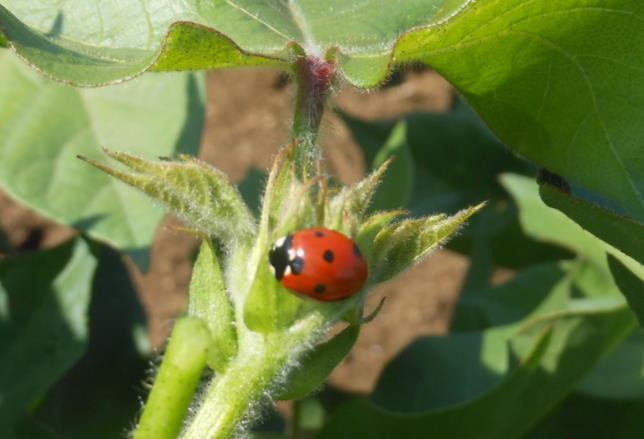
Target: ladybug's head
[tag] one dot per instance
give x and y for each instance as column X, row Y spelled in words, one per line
column 279, row 258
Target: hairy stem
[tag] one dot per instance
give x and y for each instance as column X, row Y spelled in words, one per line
column 232, row 395
column 176, row 381
column 248, row 381
column 313, row 77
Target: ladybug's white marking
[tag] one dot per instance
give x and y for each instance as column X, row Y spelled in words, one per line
column 287, row 271
column 291, row 254
column 300, row 252
column 279, row 242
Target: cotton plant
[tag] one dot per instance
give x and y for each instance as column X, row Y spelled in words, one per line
column 263, row 342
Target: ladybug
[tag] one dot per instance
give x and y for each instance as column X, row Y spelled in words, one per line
column 319, row 263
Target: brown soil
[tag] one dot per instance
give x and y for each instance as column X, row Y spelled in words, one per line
column 247, row 118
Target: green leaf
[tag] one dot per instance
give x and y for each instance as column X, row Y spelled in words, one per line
column 97, row 46
column 269, row 306
column 43, row 125
column 546, row 224
column 79, row 44
column 310, row 374
column 395, row 190
column 251, row 188
column 556, row 287
column 445, row 148
column 44, row 299
column 196, row 192
column 559, row 82
column 101, row 395
column 622, row 232
column 542, row 362
column 477, row 361
column 209, row 301
column 401, row 244
column 619, row 375
column 582, row 416
column 630, row 285
column 514, row 300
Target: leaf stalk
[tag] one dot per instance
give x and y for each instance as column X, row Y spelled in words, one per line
column 314, row 78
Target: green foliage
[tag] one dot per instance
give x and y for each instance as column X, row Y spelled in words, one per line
column 518, row 349
column 193, row 190
column 543, row 362
column 590, row 277
column 557, row 82
column 44, row 298
column 318, row 364
column 518, row 65
column 269, row 307
column 63, row 42
column 196, row 35
column 100, row 396
column 348, row 209
column 445, row 149
column 209, row 301
column 630, row 285
column 399, row 176
column 619, row 375
column 546, row 224
column 583, row 416
column 176, row 381
column 624, row 233
column 43, row 124
column 399, row 245
column 287, row 203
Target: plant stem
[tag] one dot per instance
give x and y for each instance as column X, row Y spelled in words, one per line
column 176, row 381
column 249, row 379
column 313, row 77
column 233, row 395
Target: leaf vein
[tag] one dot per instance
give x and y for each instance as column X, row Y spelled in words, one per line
column 256, row 18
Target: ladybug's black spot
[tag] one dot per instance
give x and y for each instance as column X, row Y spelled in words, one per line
column 278, row 257
column 319, row 288
column 356, row 251
column 319, row 233
column 328, row 256
column 297, row 265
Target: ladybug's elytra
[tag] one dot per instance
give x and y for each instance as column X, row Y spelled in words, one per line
column 319, row 263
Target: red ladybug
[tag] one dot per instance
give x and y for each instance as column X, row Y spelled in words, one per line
column 319, row 263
